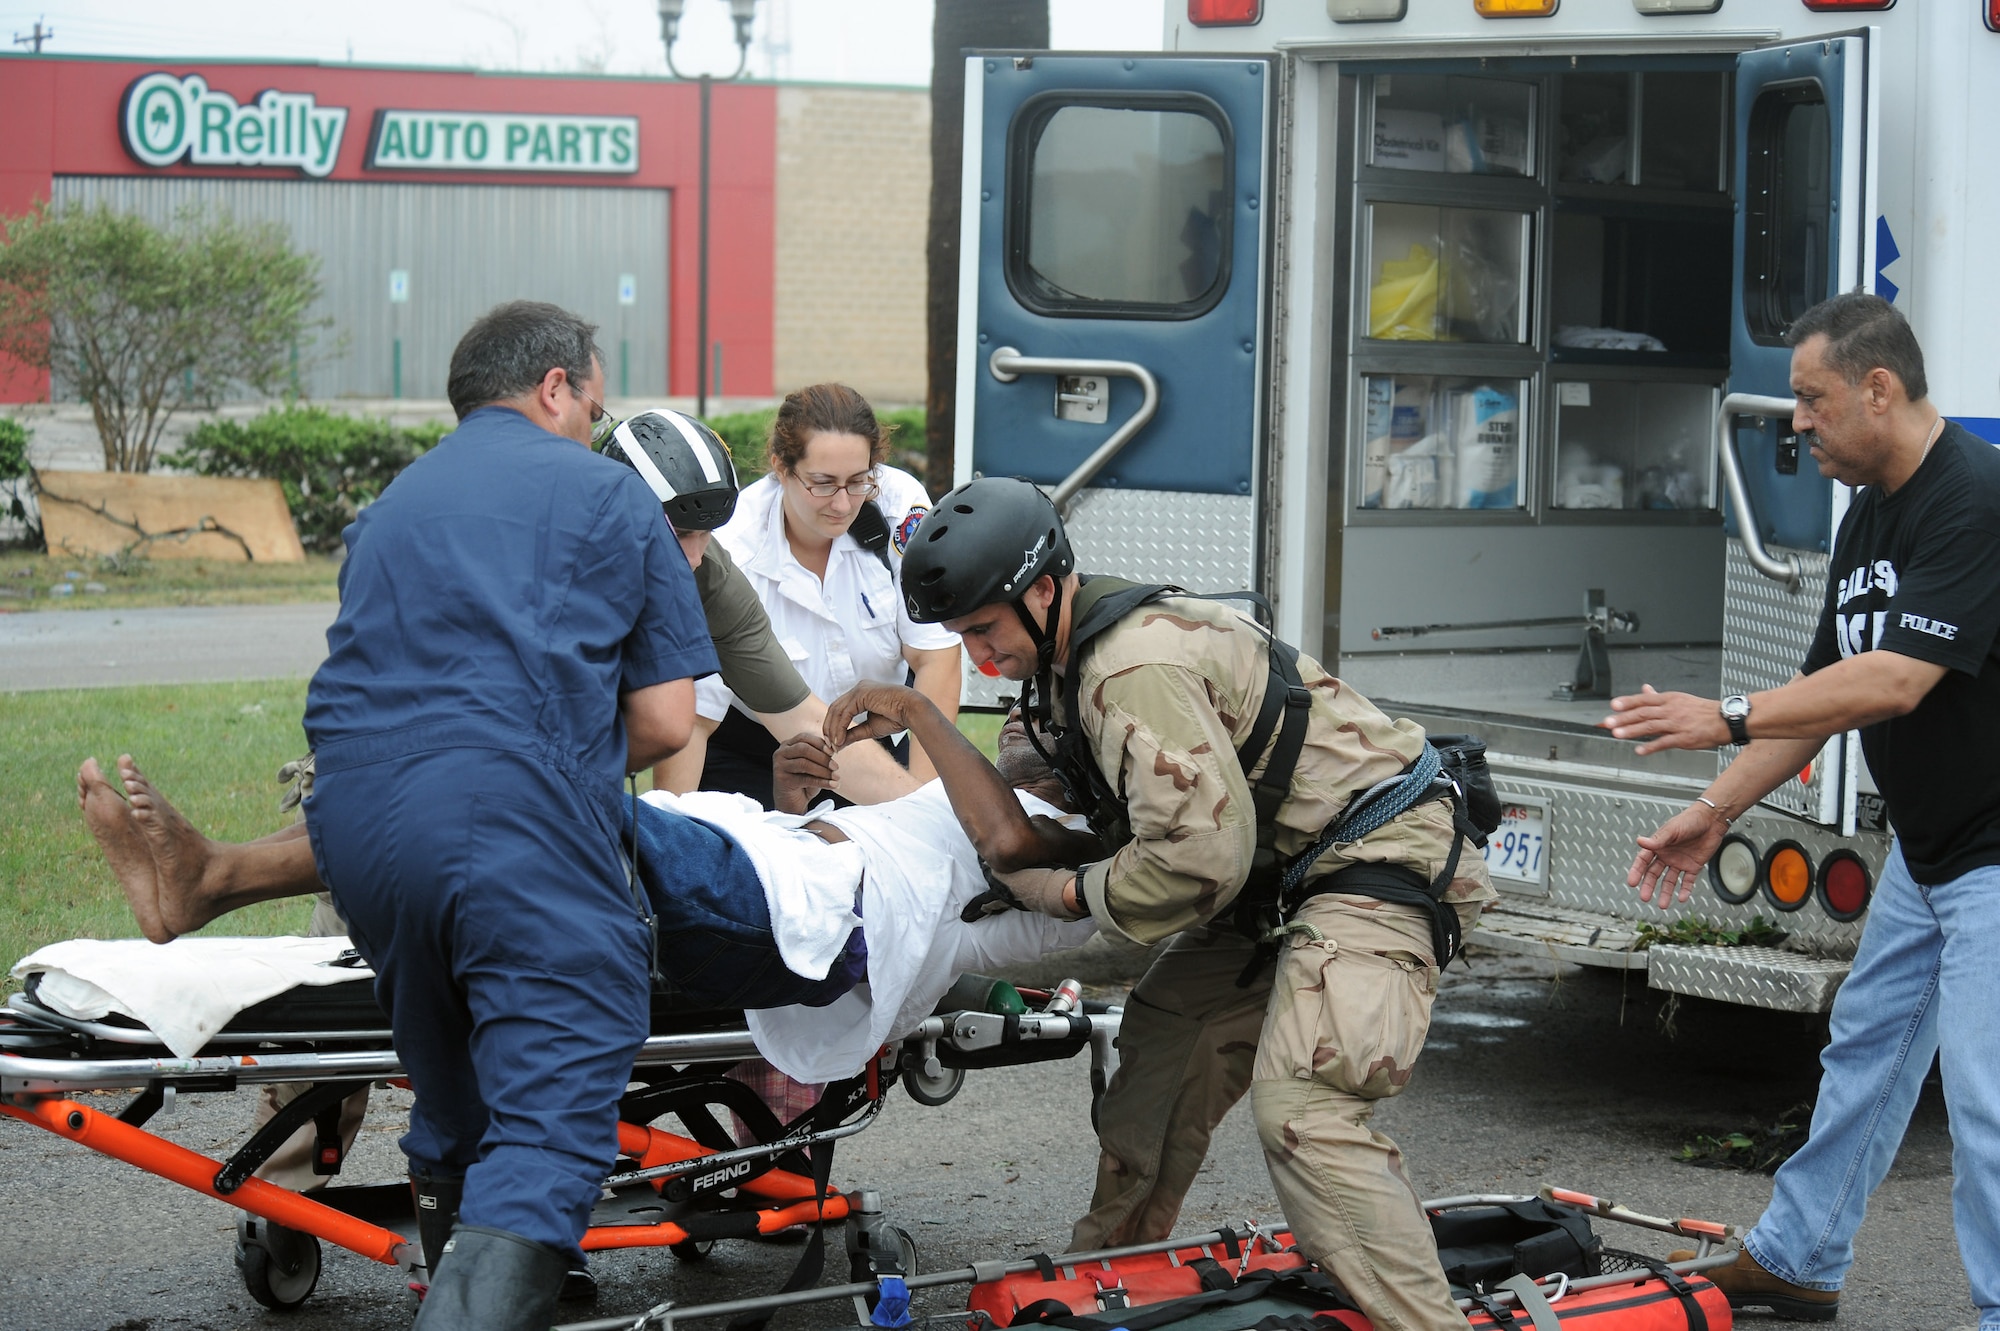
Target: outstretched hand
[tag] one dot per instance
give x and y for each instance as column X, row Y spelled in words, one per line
column 1670, row 860
column 889, row 709
column 1667, row 721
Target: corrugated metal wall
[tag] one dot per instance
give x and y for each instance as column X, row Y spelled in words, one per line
column 466, row 248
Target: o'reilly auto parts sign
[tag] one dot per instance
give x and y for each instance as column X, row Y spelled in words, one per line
column 503, row 141
column 165, row 119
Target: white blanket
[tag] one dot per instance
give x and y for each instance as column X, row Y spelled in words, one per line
column 921, row 872
column 184, row 991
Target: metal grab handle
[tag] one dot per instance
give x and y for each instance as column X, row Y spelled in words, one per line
column 1784, row 570
column 1008, row 364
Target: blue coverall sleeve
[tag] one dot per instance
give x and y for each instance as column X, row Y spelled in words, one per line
column 670, row 640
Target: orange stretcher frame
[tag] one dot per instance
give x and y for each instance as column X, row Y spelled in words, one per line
column 791, row 1194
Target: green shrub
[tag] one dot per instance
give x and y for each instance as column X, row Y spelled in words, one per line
column 331, row 466
column 14, row 469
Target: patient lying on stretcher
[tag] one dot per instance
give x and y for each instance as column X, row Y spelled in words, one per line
column 776, row 924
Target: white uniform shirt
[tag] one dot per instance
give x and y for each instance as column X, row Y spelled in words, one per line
column 852, row 627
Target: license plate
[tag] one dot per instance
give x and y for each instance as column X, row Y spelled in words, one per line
column 1518, row 848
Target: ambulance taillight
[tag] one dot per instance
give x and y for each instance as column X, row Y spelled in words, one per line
column 1515, row 8
column 1224, row 13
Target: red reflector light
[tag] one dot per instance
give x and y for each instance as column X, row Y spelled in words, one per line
column 1824, row 6
column 988, row 669
column 1224, row 13
column 1843, row 885
column 1788, row 876
column 1993, row 15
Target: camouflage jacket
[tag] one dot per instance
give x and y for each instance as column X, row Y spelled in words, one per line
column 1164, row 698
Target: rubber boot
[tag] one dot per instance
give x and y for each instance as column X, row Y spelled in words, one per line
column 491, row 1280
column 436, row 1197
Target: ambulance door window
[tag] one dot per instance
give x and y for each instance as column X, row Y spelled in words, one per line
column 1120, row 209
column 1788, row 208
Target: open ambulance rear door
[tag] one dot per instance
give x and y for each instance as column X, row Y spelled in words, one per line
column 1111, row 302
column 1805, row 182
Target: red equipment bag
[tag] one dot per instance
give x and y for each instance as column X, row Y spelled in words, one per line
column 1197, row 1289
column 1138, row 1281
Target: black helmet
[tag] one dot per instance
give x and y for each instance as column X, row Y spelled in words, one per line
column 985, row 542
column 684, row 462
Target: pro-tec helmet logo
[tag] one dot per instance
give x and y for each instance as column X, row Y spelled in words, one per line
column 1032, row 554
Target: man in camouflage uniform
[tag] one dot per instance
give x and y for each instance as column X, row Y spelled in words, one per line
column 1164, row 699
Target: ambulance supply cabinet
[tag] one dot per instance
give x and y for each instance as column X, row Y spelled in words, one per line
column 1537, row 333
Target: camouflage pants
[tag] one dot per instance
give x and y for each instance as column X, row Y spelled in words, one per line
column 1335, row 1028
column 291, row 1165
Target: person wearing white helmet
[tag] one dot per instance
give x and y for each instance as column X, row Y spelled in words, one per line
column 690, row 470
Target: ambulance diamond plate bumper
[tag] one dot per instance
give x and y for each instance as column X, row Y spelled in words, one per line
column 1758, row 976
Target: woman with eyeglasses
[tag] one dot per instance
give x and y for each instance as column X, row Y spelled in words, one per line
column 821, row 538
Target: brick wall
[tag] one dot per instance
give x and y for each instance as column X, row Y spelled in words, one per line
column 853, row 196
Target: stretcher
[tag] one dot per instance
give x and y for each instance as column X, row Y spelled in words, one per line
column 682, row 1186
column 1247, row 1275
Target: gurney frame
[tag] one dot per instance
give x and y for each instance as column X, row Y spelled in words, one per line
column 680, row 1192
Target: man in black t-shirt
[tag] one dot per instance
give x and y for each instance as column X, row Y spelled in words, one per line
column 1908, row 651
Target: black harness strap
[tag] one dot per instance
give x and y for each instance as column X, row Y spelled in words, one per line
column 1697, row 1317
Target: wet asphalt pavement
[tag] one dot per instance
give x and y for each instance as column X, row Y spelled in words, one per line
column 1531, row 1077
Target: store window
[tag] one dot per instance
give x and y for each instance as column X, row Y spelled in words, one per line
column 1442, row 442
column 1788, row 236
column 1122, row 210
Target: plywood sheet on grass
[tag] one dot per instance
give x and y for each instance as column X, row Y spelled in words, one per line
column 220, row 518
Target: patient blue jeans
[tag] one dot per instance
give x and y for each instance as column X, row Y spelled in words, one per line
column 1924, row 983
column 717, row 947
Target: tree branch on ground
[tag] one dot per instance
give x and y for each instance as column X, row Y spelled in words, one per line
column 204, row 525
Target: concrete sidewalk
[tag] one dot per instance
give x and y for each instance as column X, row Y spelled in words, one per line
column 72, row 649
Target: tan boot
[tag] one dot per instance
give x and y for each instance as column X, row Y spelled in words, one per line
column 1749, row 1285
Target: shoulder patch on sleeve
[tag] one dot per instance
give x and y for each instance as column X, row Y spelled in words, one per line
column 900, row 538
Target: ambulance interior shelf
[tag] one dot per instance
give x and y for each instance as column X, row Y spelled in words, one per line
column 1622, row 202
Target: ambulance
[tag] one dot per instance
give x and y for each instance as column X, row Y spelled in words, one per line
column 1455, row 328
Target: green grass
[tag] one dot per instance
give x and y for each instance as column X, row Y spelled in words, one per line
column 27, row 579
column 214, row 749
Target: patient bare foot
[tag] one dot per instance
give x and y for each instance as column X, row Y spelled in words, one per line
column 180, row 853
column 124, row 846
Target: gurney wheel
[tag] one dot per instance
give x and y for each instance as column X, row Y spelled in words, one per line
column 279, row 1266
column 692, row 1250
column 928, row 1090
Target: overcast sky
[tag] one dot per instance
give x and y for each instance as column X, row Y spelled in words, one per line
column 861, row 41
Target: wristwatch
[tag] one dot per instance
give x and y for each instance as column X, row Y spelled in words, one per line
column 1736, row 714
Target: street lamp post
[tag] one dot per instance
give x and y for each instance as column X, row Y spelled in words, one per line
column 741, row 12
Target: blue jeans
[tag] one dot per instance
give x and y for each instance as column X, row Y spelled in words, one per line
column 1924, row 979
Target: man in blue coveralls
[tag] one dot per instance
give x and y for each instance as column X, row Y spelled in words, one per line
column 518, row 629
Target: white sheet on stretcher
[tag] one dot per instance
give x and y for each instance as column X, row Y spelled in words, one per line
column 184, row 991
column 921, row 870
